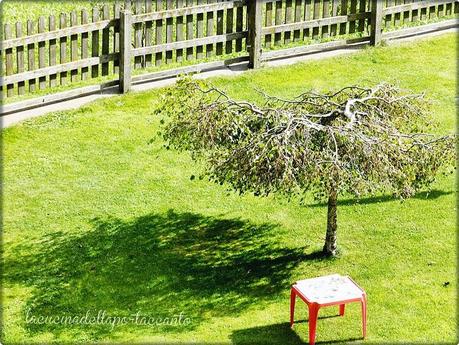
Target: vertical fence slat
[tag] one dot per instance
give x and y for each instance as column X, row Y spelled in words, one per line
column 326, row 14
column 41, row 53
column 268, row 22
column 343, row 26
column 159, row 33
column 406, row 14
column 63, row 48
column 52, row 52
column 239, row 27
column 334, row 27
column 73, row 46
column 125, row 51
column 31, row 55
column 95, row 43
column 105, row 39
column 84, row 44
column 441, row 9
column 423, row 13
column 353, row 10
column 169, row 31
column 376, row 22
column 199, row 31
column 403, row 14
column 415, row 15
column 189, row 31
column 316, row 15
column 210, row 30
column 278, row 21
column 116, row 37
column 362, row 9
column 229, row 29
column 298, row 15
column 148, row 32
column 432, row 11
column 397, row 15
column 9, row 60
column 254, row 19
column 307, row 16
column 448, row 9
column 138, row 60
column 388, row 18
column 288, row 20
column 219, row 46
column 179, row 32
column 20, row 59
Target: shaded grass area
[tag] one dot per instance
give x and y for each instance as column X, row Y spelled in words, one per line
column 98, row 215
column 188, row 261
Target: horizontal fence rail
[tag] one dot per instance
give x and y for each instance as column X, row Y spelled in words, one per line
column 140, row 40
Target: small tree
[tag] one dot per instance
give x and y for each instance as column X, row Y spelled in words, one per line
column 355, row 141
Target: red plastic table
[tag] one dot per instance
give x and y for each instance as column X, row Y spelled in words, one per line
column 327, row 291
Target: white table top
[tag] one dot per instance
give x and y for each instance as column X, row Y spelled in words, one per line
column 329, row 289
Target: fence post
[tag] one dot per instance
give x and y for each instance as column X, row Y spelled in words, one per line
column 125, row 51
column 254, row 16
column 376, row 22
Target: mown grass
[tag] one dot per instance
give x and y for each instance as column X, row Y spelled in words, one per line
column 20, row 11
column 98, row 215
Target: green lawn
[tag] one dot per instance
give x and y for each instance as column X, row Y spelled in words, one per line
column 98, row 216
column 22, row 10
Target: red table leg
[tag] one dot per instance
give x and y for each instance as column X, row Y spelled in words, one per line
column 341, row 309
column 313, row 312
column 292, row 306
column 364, row 315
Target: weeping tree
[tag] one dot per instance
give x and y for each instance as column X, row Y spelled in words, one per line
column 355, row 141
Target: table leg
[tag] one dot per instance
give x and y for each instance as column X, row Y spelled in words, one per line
column 341, row 309
column 364, row 316
column 292, row 306
column 313, row 312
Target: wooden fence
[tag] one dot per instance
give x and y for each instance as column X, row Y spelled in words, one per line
column 147, row 34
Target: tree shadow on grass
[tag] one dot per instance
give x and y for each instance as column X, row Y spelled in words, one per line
column 159, row 264
column 279, row 333
column 431, row 195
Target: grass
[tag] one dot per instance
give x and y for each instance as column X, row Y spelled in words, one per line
column 20, row 11
column 99, row 216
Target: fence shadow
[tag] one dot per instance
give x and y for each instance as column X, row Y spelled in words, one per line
column 159, row 264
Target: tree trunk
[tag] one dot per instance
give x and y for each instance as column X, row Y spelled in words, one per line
column 330, row 238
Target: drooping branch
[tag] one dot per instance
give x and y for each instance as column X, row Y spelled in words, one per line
column 368, row 139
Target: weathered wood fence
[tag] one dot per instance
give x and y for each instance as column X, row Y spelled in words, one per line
column 142, row 34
